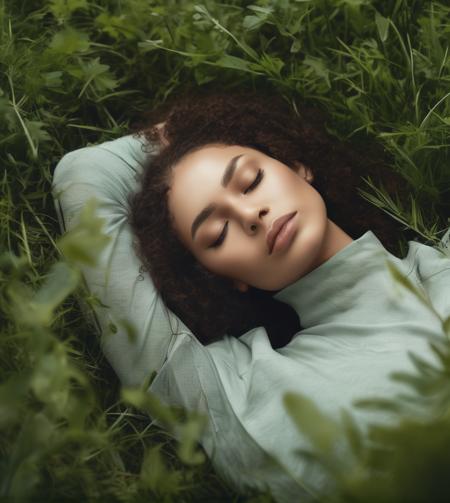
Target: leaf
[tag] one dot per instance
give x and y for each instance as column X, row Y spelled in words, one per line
column 63, row 9
column 353, row 434
column 309, row 420
column 150, row 45
column 202, row 76
column 239, row 42
column 84, row 243
column 262, row 10
column 70, row 41
column 147, row 401
column 130, row 329
column 61, row 281
column 252, row 22
column 8, row 117
column 296, row 46
column 53, row 79
column 403, row 280
column 22, row 472
column 38, row 309
column 319, row 68
column 379, row 404
column 189, row 434
column 271, row 64
column 36, row 131
column 446, row 326
column 12, row 395
column 98, row 75
column 228, row 61
column 382, row 26
column 156, row 476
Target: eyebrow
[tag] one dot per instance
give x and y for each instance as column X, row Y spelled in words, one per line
column 206, row 212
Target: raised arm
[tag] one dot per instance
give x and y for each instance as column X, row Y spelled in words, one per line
column 108, row 172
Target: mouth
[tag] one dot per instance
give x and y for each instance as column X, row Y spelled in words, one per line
column 275, row 228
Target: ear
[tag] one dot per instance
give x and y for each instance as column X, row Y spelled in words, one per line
column 303, row 171
column 239, row 285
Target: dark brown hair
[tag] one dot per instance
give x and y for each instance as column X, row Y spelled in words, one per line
column 210, row 305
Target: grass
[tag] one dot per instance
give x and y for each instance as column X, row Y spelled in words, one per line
column 77, row 72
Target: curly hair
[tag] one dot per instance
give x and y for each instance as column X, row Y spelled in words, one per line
column 208, row 304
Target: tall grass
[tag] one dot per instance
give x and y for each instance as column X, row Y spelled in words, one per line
column 76, row 72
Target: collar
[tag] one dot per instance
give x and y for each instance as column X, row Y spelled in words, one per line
column 337, row 284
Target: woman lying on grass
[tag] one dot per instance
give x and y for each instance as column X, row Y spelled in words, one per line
column 248, row 216
column 285, row 164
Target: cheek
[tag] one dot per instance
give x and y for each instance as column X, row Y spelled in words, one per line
column 228, row 264
column 283, row 182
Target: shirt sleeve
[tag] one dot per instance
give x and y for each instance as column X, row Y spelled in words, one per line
column 109, row 172
column 433, row 271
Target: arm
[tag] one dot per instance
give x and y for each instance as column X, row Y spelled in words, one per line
column 108, row 173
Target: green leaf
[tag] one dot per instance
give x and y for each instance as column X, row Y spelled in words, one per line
column 37, row 131
column 53, row 79
column 38, row 309
column 8, row 117
column 12, row 395
column 271, row 64
column 70, row 41
column 378, row 404
column 61, row 281
column 239, row 42
column 63, row 9
column 130, row 329
column 403, row 280
column 116, row 26
column 354, row 435
column 150, row 45
column 262, row 10
column 319, row 67
column 147, row 401
column 382, row 26
column 296, row 46
column 309, row 420
column 446, row 326
column 84, row 243
column 93, row 73
column 189, row 434
column 156, row 476
column 22, row 468
column 228, row 61
column 252, row 22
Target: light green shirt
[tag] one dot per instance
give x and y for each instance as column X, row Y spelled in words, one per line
column 359, row 326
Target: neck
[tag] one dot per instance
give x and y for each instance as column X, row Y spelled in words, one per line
column 335, row 240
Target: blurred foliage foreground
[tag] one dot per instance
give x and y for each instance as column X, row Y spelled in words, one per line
column 75, row 72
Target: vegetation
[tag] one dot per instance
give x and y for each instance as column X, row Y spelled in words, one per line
column 77, row 72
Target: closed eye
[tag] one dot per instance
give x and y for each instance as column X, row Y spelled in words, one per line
column 258, row 178
column 221, row 239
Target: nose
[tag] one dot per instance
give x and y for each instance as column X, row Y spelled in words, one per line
column 252, row 220
column 247, row 214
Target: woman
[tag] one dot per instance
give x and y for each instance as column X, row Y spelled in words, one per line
column 225, row 271
column 319, row 173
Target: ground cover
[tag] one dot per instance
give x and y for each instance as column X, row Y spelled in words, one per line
column 79, row 72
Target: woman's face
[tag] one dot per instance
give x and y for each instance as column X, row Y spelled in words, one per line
column 247, row 199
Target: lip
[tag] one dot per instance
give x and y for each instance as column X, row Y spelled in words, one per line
column 275, row 229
